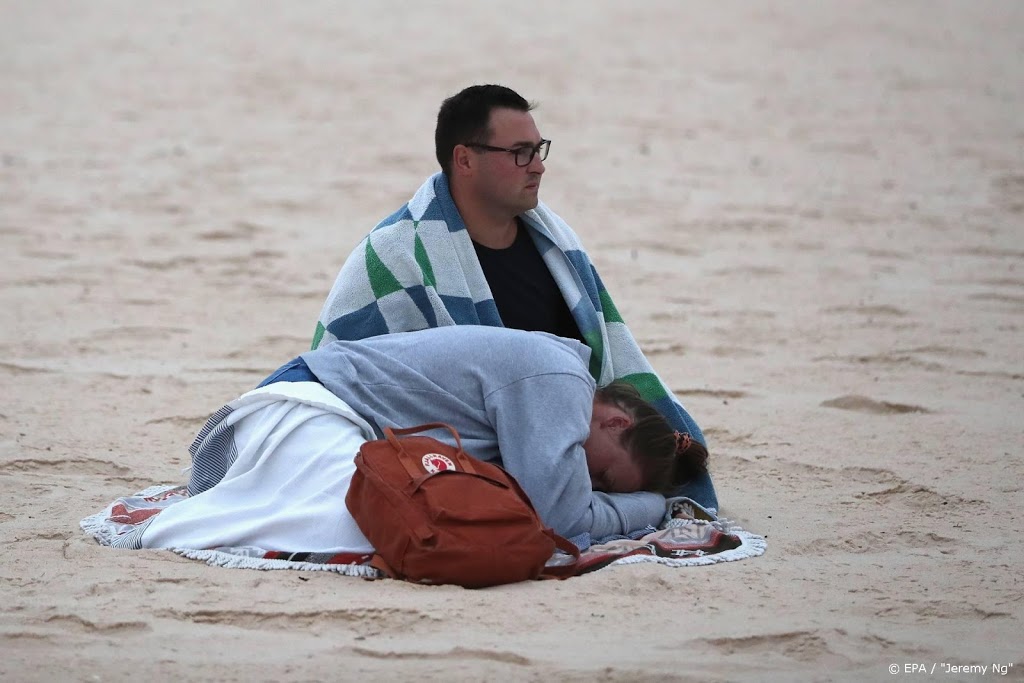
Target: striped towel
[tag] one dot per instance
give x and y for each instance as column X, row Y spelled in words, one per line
column 418, row 269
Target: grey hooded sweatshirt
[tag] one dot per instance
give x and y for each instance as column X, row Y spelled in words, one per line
column 520, row 399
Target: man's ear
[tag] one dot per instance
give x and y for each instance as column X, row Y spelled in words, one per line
column 462, row 160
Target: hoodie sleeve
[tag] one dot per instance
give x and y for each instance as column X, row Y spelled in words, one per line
column 541, row 422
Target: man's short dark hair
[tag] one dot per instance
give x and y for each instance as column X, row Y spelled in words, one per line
column 463, row 118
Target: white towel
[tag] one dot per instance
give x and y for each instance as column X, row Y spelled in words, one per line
column 292, row 447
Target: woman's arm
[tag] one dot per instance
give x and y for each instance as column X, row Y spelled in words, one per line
column 541, row 422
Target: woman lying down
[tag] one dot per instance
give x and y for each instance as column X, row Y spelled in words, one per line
column 271, row 469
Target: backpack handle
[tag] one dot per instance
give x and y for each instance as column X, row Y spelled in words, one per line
column 408, row 461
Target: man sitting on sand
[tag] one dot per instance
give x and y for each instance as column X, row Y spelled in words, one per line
column 474, row 246
column 272, row 468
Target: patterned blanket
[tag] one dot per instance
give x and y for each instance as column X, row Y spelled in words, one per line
column 689, row 536
column 418, row 269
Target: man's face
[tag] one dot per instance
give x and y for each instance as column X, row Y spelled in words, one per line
column 612, row 468
column 499, row 182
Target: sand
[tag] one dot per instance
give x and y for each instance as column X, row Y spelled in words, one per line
column 811, row 215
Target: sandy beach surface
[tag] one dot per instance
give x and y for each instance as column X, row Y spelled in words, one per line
column 811, row 215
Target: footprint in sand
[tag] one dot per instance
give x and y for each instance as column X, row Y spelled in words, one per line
column 183, row 263
column 869, row 310
column 240, row 230
column 998, row 297
column 79, row 624
column 863, row 404
column 1007, row 191
column 453, row 655
column 723, row 395
column 364, row 621
column 734, row 352
column 804, row 646
column 62, row 466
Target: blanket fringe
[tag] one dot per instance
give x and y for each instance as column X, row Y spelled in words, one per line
column 98, row 525
column 216, row 558
column 753, row 546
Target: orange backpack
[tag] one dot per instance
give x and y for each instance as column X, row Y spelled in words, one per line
column 436, row 514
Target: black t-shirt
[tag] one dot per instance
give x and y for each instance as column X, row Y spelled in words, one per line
column 524, row 290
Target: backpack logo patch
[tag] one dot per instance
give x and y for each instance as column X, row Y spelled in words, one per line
column 435, row 462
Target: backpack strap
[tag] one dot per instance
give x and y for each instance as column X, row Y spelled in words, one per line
column 378, row 563
column 562, row 571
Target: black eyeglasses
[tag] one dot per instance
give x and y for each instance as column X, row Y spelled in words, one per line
column 523, row 155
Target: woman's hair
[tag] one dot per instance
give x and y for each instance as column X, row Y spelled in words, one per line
column 668, row 458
